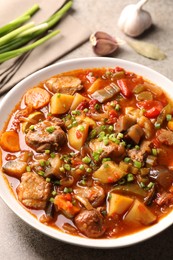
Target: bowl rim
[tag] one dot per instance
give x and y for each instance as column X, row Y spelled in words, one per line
column 39, row 76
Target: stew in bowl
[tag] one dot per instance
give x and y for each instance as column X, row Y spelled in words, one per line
column 88, row 152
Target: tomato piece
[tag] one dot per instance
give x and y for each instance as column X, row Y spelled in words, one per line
column 152, row 107
column 118, row 69
column 126, row 87
column 78, row 134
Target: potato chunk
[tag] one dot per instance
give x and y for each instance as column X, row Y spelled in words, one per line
column 77, row 100
column 109, row 172
column 77, row 135
column 140, row 214
column 60, row 103
column 118, row 204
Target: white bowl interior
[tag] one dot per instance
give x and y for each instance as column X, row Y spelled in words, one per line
column 13, row 97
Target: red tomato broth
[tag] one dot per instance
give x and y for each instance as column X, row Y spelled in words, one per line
column 115, row 225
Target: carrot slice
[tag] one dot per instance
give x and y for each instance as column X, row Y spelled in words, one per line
column 37, row 97
column 10, row 141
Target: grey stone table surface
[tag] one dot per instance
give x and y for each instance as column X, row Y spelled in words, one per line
column 17, row 239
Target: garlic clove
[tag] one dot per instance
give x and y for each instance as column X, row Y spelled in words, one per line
column 134, row 20
column 103, row 43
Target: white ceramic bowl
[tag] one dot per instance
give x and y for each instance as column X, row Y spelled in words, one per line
column 14, row 96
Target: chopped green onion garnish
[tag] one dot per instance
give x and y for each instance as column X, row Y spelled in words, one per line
column 52, row 155
column 111, row 128
column 106, row 159
column 47, row 151
column 81, row 128
column 130, row 177
column 168, row 117
column 137, row 164
column 120, row 135
column 67, row 167
column 137, row 147
column 88, row 170
column 42, row 173
column 48, row 179
column 67, row 190
column 86, row 160
column 51, row 200
column 97, row 106
column 28, row 168
column 150, row 185
column 117, row 107
column 62, row 169
column 127, row 159
column 157, row 125
column 50, row 129
column 54, row 193
column 154, row 151
column 81, row 167
column 42, row 163
column 106, row 141
column 31, row 127
column 85, row 110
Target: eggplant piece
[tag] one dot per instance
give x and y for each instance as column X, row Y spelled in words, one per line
column 105, row 94
column 124, row 122
column 162, row 175
column 50, row 210
column 151, row 196
column 133, row 189
column 135, row 133
column 168, row 109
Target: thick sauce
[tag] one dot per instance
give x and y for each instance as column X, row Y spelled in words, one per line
column 89, row 152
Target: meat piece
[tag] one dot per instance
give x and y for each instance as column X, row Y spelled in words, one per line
column 90, row 223
column 33, row 191
column 141, row 154
column 64, row 84
column 124, row 122
column 165, row 136
column 111, row 150
column 46, row 135
column 164, row 199
column 135, row 133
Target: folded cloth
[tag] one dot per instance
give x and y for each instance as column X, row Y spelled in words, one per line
column 72, row 35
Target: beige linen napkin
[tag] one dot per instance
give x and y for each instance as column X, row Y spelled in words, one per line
column 72, row 35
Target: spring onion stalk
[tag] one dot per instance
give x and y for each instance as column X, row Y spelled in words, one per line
column 6, row 38
column 12, row 54
column 28, row 35
column 11, row 44
column 32, row 10
column 22, row 38
column 19, row 21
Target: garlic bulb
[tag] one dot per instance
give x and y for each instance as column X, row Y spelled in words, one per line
column 103, row 43
column 134, row 20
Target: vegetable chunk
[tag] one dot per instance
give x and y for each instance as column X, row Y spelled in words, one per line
column 109, row 172
column 60, row 103
column 118, row 204
column 37, row 98
column 9, row 141
column 78, row 135
column 140, row 214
